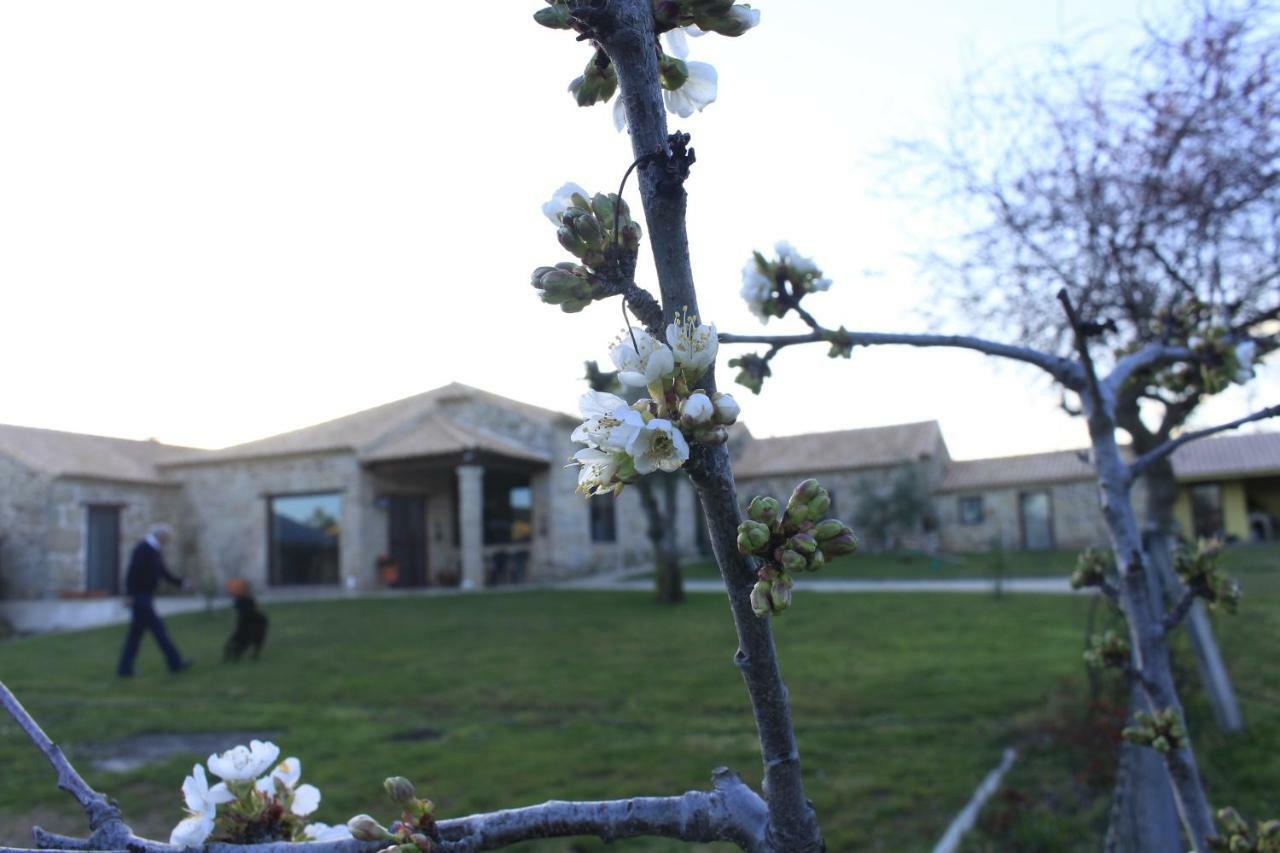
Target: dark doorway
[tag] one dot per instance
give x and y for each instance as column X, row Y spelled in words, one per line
column 1036, row 511
column 102, row 556
column 407, row 538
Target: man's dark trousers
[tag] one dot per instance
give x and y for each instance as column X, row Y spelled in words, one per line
column 146, row 619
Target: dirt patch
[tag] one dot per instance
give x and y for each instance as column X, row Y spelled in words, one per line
column 122, row 755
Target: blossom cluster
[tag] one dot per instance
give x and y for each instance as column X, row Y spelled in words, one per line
column 256, row 805
column 1199, row 570
column 1236, row 837
column 599, row 231
column 625, row 441
column 772, row 287
column 1222, row 356
column 1093, row 567
column 797, row 538
column 687, row 86
column 1162, row 730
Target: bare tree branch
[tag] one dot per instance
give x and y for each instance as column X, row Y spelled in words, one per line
column 1063, row 370
column 1179, row 611
column 1151, row 355
column 1147, row 459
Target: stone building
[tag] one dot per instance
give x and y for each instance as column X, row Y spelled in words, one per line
column 458, row 486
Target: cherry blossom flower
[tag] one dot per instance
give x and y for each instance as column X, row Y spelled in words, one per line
column 658, row 446
column 202, row 806
column 641, row 360
column 609, row 422
column 693, row 346
column 244, row 763
column 562, row 200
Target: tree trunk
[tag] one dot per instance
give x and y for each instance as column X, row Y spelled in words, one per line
column 668, row 580
column 1162, row 494
column 1144, row 818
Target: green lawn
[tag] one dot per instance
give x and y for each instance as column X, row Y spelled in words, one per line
column 913, row 565
column 902, row 703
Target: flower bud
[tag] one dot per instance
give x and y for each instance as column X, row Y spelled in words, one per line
column 714, row 436
column 816, row 561
column 780, row 597
column 696, row 410
column 631, row 234
column 570, row 241
column 584, row 226
column 791, row 561
column 727, row 409
column 803, row 543
column 400, row 790
column 760, row 599
column 672, row 72
column 603, row 207
column 829, row 529
column 764, row 509
column 809, row 502
column 836, row 546
column 753, row 537
column 365, row 828
column 1160, row 744
column 421, row 842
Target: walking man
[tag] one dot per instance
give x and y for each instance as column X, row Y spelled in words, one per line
column 146, row 568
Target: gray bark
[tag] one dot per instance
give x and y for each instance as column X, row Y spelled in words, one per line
column 661, row 517
column 1144, row 818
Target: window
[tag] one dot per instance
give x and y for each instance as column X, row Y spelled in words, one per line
column 971, row 510
column 304, row 536
column 508, row 508
column 1206, row 509
column 604, row 518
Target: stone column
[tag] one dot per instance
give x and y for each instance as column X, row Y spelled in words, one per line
column 471, row 524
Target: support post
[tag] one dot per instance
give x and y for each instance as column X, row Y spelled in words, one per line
column 471, row 524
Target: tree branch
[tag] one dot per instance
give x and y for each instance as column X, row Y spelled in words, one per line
column 1150, row 355
column 1147, row 459
column 1179, row 612
column 730, row 812
column 1063, row 370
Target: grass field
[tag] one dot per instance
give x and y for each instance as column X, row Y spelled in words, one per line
column 914, row 565
column 902, row 703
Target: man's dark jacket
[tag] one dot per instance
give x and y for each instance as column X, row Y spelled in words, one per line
column 146, row 568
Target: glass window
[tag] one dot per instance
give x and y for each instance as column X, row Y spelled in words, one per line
column 304, row 536
column 603, row 519
column 971, row 510
column 1206, row 509
column 508, row 508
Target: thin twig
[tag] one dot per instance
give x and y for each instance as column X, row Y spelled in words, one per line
column 1179, row 612
column 1154, row 455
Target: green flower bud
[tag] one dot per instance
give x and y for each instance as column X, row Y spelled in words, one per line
column 365, row 828
column 1160, row 744
column 808, row 502
column 760, row 599
column 837, row 546
column 1232, row 820
column 803, row 543
column 829, row 529
column 672, row 72
column 570, row 241
column 780, row 597
column 585, row 226
column 764, row 509
column 790, row 560
column 603, row 207
column 816, row 561
column 753, row 537
column 631, row 233
column 555, row 16
column 400, row 790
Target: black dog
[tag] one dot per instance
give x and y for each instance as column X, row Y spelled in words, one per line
column 251, row 629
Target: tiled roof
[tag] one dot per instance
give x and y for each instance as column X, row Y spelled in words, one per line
column 72, row 454
column 380, row 429
column 848, row 449
column 1033, row 468
column 1218, row 457
column 1244, row 455
column 438, row 435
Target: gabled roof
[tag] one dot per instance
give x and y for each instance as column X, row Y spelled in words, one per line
column 439, row 435
column 71, row 454
column 1217, row 457
column 844, row 450
column 392, row 429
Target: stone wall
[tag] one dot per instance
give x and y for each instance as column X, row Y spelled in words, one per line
column 24, row 511
column 1077, row 518
column 226, row 507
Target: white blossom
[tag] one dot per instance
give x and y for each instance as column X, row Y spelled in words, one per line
column 325, row 832
column 202, row 806
column 244, row 763
column 727, row 408
column 562, row 201
column 598, row 467
column 609, row 422
column 641, row 360
column 677, row 44
column 306, row 799
column 695, row 93
column 287, row 771
column 697, row 409
column 757, row 288
column 659, row 445
column 694, row 346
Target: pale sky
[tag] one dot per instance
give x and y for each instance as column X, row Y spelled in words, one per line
column 220, row 221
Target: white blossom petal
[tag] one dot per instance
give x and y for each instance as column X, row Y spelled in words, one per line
column 677, row 44
column 619, row 114
column 244, row 763
column 561, row 201
column 325, row 832
column 192, row 831
column 696, row 93
column 658, row 446
column 306, row 799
